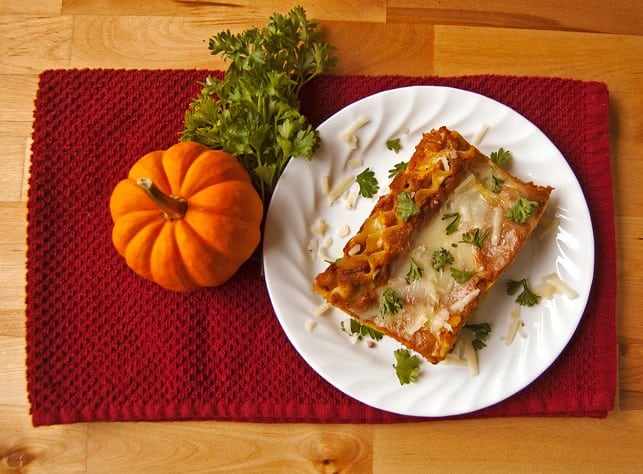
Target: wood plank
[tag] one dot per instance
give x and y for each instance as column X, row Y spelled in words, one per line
column 13, row 217
column 238, row 12
column 510, row 445
column 14, row 138
column 631, row 367
column 31, row 7
column 31, row 44
column 576, row 15
column 47, row 450
column 17, row 96
column 172, row 43
column 631, row 400
column 241, row 447
column 13, row 382
column 409, row 50
column 139, row 42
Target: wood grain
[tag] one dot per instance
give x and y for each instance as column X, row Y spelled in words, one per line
column 587, row 40
column 590, row 15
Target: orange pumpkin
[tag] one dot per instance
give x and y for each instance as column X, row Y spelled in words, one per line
column 186, row 217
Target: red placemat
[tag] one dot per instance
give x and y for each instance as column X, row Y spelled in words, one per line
column 104, row 344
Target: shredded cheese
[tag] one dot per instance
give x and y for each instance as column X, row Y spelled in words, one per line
column 325, row 184
column 349, row 136
column 351, row 200
column 482, row 131
column 339, row 188
column 355, row 163
column 552, row 284
column 322, row 308
column 497, row 225
column 514, row 323
column 463, row 302
column 320, row 227
column 310, row 325
column 343, row 231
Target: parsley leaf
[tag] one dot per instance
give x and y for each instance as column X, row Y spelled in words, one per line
column 526, row 297
column 441, row 258
column 401, row 166
column 521, row 210
column 407, row 366
column 362, row 330
column 406, row 207
column 394, row 144
column 500, row 157
column 496, row 184
column 253, row 111
column 453, row 225
column 461, row 276
column 474, row 237
column 368, row 185
column 415, row 272
column 482, row 332
column 390, row 302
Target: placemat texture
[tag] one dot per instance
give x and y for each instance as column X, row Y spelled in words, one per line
column 104, row 344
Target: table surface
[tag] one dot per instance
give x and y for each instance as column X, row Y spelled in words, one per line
column 580, row 39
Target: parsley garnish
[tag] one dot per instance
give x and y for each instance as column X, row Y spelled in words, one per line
column 390, row 302
column 474, row 237
column 461, row 276
column 521, row 210
column 401, row 166
column 393, row 144
column 363, row 331
column 482, row 332
column 500, row 157
column 368, row 185
column 415, row 272
column 453, row 225
column 407, row 366
column 253, row 112
column 441, row 258
column 406, row 206
column 526, row 297
column 496, row 184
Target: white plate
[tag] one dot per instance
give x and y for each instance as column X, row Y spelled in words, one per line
column 366, row 374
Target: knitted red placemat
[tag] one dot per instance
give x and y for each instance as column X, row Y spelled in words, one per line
column 104, row 344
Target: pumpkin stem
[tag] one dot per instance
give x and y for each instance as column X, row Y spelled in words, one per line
column 173, row 207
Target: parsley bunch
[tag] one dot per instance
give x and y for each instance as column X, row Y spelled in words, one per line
column 253, row 112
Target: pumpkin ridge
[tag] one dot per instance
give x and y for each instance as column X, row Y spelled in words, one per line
column 221, row 258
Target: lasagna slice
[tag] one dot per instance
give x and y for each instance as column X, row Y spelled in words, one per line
column 434, row 245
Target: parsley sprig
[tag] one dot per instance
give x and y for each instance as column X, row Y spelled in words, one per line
column 397, row 168
column 461, row 276
column 394, row 144
column 526, row 296
column 406, row 206
column 500, row 157
column 441, row 258
column 521, row 210
column 475, row 237
column 253, row 111
column 452, row 226
column 368, row 185
column 407, row 366
column 481, row 332
column 390, row 303
column 415, row 271
column 361, row 330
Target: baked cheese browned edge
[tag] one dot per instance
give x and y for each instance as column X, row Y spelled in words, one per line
column 352, row 282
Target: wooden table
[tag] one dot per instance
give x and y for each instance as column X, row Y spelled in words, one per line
column 588, row 39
